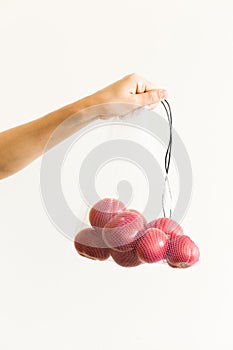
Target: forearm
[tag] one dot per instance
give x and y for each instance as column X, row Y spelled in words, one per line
column 21, row 145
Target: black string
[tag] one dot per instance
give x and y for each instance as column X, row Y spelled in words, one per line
column 167, row 108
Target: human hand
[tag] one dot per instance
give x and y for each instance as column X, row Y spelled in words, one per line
column 26, row 142
column 127, row 94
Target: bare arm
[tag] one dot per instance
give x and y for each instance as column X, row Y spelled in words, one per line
column 19, row 146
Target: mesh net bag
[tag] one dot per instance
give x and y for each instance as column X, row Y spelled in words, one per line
column 124, row 211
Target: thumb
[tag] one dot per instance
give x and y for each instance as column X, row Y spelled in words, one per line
column 151, row 97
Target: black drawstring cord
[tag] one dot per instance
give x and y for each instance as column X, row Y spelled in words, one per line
column 167, row 108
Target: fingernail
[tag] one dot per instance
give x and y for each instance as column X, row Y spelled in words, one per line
column 163, row 94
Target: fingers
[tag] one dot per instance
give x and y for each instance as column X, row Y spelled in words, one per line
column 151, row 97
column 144, row 86
column 140, row 84
column 144, row 92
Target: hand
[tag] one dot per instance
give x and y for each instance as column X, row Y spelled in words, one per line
column 127, row 94
column 21, row 145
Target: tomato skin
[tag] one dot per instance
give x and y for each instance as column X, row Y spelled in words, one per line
column 89, row 243
column 182, row 252
column 152, row 246
column 103, row 211
column 126, row 259
column 168, row 226
column 120, row 232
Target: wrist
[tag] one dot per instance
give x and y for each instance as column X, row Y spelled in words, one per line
column 88, row 108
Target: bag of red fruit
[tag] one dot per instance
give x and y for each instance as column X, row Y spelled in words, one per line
column 124, row 235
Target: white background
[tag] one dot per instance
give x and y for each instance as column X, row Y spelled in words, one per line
column 54, row 52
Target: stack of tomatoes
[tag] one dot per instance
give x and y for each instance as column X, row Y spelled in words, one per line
column 125, row 235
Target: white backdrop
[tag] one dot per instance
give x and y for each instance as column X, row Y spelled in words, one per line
column 54, row 52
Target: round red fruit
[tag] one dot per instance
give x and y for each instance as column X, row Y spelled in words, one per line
column 152, row 246
column 168, row 226
column 89, row 243
column 103, row 211
column 126, row 259
column 120, row 232
column 182, row 252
